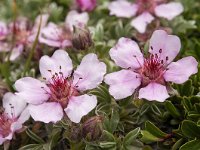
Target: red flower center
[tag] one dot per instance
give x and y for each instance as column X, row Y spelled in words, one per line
column 5, row 124
column 62, row 88
column 146, row 6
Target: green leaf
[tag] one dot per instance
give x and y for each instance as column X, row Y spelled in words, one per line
column 32, row 147
column 147, row 137
column 177, row 145
column 151, row 128
column 108, row 136
column 191, row 145
column 131, row 136
column 172, row 109
column 33, row 136
column 190, row 129
column 108, row 145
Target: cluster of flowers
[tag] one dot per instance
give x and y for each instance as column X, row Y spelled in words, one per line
column 62, row 90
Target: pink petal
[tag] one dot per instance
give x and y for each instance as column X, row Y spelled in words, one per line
column 141, row 22
column 46, row 112
column 180, row 71
column 80, row 106
column 74, row 18
column 2, row 140
column 127, row 54
column 51, row 35
column 169, row 10
column 122, row 83
column 165, row 46
column 59, row 62
column 3, row 30
column 15, row 101
column 122, row 8
column 16, row 52
column 44, row 20
column 89, row 74
column 154, row 91
column 24, row 116
column 32, row 90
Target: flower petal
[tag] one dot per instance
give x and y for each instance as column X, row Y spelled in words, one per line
column 13, row 104
column 80, row 106
column 122, row 8
column 2, row 140
column 59, row 62
column 170, row 10
column 46, row 112
column 154, row 91
column 24, row 116
column 122, row 83
column 127, row 54
column 180, row 71
column 75, row 19
column 32, row 90
column 89, row 74
column 165, row 46
column 16, row 52
column 141, row 22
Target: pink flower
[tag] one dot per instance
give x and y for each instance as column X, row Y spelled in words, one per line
column 3, row 30
column 144, row 10
column 55, row 36
column 76, row 19
column 63, row 89
column 148, row 75
column 14, row 115
column 86, row 5
column 61, row 36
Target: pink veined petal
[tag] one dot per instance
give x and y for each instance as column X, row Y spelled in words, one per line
column 80, row 106
column 13, row 104
column 59, row 62
column 154, row 91
column 126, row 54
column 180, row 71
column 122, row 8
column 140, row 22
column 169, row 10
column 89, row 74
column 46, row 112
column 122, row 83
column 165, row 46
column 74, row 18
column 32, row 90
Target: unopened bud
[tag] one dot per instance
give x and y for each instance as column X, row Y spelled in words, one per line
column 81, row 38
column 92, row 128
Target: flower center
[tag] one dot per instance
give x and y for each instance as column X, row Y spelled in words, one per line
column 6, row 121
column 62, row 89
column 146, row 6
column 153, row 68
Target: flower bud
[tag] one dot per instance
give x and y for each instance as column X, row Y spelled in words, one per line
column 92, row 128
column 81, row 38
column 86, row 5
